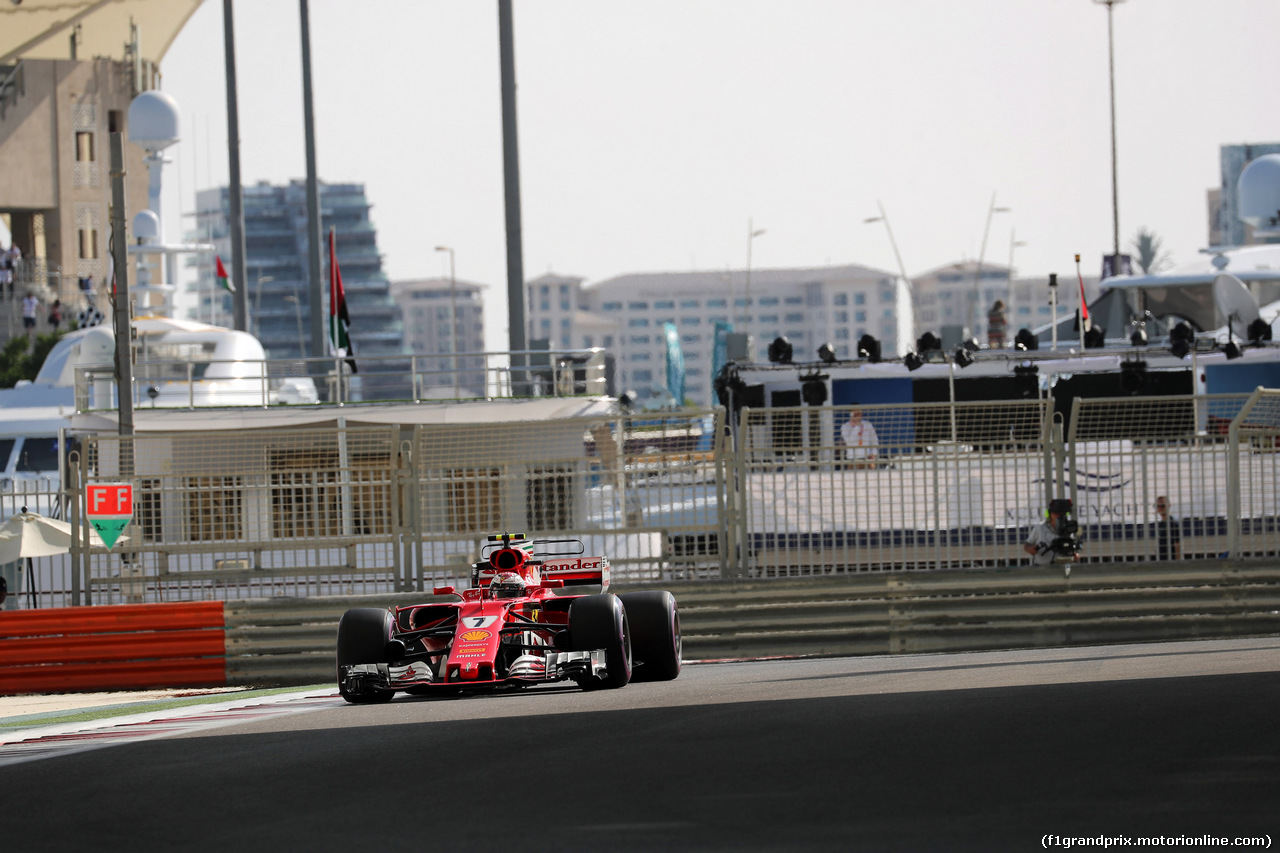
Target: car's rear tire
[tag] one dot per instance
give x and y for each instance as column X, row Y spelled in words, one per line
column 363, row 634
column 655, row 634
column 600, row 622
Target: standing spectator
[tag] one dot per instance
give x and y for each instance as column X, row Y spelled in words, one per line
column 30, row 305
column 997, row 325
column 6, row 274
column 13, row 260
column 1168, row 532
column 55, row 314
column 861, row 444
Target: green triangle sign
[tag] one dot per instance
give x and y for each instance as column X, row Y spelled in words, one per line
column 109, row 528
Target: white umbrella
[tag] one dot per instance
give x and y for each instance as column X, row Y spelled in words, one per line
column 29, row 534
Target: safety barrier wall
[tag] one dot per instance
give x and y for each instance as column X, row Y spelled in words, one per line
column 70, row 649
column 291, row 641
column 950, row 611
column 927, row 611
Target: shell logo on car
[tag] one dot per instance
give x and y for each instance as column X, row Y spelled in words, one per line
column 474, row 636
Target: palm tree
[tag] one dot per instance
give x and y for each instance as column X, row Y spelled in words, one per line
column 1149, row 250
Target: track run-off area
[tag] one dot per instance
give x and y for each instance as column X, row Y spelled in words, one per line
column 1173, row 743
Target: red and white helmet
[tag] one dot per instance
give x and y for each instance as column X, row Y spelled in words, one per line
column 507, row 585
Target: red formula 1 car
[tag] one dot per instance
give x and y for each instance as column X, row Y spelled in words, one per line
column 532, row 615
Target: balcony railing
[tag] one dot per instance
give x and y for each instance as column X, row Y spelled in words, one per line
column 330, row 381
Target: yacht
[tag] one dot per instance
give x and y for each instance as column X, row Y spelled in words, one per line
column 178, row 364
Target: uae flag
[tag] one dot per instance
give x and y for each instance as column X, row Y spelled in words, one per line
column 1085, row 323
column 224, row 280
column 339, row 320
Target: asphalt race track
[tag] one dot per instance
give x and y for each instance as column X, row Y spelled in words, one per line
column 989, row 751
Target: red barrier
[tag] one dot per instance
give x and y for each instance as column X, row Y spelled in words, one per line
column 59, row 621
column 131, row 675
column 114, row 647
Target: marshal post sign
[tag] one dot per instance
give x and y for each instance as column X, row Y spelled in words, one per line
column 110, row 509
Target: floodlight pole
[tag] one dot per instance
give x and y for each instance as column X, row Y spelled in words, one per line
column 976, row 297
column 911, row 290
column 315, row 265
column 121, row 308
column 1115, row 193
column 511, row 198
column 1014, row 243
column 752, row 234
column 235, row 191
column 453, row 315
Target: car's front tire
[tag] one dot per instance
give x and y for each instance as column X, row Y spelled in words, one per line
column 600, row 622
column 363, row 634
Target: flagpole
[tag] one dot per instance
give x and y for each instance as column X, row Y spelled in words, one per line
column 1084, row 308
column 314, row 216
column 340, row 345
column 331, row 326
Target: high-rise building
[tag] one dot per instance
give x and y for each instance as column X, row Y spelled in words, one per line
column 445, row 317
column 56, row 121
column 626, row 315
column 278, row 269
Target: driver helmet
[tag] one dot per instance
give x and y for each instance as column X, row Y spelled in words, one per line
column 507, row 585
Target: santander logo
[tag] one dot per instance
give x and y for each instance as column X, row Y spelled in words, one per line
column 579, row 564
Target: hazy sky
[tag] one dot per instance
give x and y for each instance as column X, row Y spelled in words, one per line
column 651, row 132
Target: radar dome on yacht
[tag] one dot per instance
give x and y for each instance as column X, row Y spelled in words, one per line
column 1259, row 193
column 153, row 120
column 146, row 226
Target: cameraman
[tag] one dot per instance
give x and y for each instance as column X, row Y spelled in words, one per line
column 1054, row 538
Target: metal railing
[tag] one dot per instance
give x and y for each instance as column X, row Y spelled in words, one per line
column 331, row 380
column 962, row 486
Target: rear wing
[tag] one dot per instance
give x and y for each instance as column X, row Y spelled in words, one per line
column 568, row 571
column 543, row 562
column 577, row 571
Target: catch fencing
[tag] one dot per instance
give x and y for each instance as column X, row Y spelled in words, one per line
column 359, row 510
column 961, row 486
column 343, row 510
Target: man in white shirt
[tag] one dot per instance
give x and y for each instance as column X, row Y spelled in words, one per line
column 29, row 307
column 861, row 445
